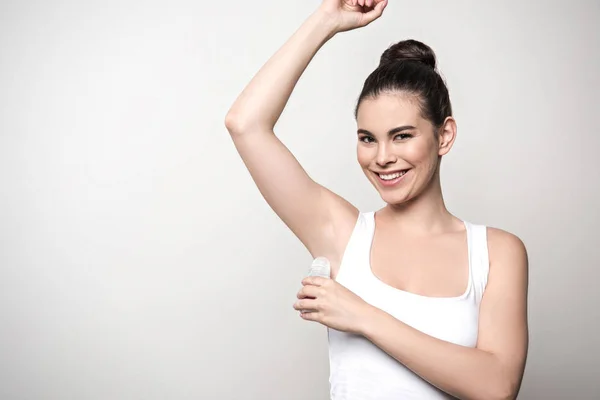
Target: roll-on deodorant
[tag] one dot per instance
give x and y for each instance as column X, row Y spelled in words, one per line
column 320, row 267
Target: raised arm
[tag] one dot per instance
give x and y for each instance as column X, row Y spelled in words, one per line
column 319, row 218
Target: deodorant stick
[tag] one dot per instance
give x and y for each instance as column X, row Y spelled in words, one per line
column 320, row 267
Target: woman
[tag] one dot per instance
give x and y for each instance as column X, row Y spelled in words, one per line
column 421, row 304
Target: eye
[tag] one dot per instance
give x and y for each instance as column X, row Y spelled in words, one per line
column 403, row 136
column 366, row 139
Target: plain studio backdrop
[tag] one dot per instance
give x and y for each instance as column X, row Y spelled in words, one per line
column 139, row 261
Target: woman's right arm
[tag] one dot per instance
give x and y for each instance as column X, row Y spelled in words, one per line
column 321, row 220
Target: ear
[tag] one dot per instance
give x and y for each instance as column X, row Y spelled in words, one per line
column 447, row 135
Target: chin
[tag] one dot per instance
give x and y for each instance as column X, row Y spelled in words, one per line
column 394, row 200
column 392, row 196
column 396, row 196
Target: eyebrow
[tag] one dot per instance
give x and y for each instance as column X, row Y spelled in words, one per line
column 390, row 132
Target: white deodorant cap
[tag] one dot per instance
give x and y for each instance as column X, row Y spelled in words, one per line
column 320, row 267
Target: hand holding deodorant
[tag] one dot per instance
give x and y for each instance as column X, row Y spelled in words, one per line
column 319, row 267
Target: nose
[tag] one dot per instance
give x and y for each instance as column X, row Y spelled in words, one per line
column 385, row 156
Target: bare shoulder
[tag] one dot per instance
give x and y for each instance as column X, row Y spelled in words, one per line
column 506, row 251
column 502, row 243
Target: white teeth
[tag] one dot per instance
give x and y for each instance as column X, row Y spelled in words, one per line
column 389, row 177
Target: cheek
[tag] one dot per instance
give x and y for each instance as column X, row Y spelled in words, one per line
column 421, row 152
column 363, row 156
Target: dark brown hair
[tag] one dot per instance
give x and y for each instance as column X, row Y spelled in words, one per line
column 410, row 66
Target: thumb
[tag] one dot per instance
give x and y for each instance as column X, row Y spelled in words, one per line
column 374, row 13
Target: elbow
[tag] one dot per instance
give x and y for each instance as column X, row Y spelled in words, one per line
column 505, row 389
column 498, row 388
column 233, row 124
column 504, row 385
column 237, row 125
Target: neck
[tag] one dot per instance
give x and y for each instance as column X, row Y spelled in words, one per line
column 424, row 214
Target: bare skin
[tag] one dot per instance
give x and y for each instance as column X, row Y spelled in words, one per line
column 419, row 246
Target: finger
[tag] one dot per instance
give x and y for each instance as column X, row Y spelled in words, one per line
column 309, row 291
column 374, row 13
column 369, row 3
column 314, row 280
column 311, row 316
column 361, row 2
column 306, row 305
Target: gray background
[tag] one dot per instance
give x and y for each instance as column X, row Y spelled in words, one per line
column 138, row 260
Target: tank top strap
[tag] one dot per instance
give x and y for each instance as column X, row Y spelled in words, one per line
column 478, row 258
column 369, row 219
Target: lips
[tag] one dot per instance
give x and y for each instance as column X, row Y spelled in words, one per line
column 391, row 178
column 388, row 176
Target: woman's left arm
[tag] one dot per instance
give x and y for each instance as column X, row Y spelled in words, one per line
column 492, row 370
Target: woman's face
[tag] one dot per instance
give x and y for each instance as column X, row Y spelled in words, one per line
column 397, row 148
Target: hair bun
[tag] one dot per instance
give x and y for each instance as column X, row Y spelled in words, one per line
column 409, row 50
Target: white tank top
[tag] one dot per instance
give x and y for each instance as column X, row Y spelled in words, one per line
column 359, row 370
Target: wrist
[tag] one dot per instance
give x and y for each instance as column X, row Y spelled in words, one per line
column 368, row 320
column 325, row 20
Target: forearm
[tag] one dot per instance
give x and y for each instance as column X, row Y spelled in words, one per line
column 466, row 373
column 261, row 103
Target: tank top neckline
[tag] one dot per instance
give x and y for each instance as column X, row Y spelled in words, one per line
column 371, row 216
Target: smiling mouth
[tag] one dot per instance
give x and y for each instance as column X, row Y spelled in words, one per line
column 391, row 176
